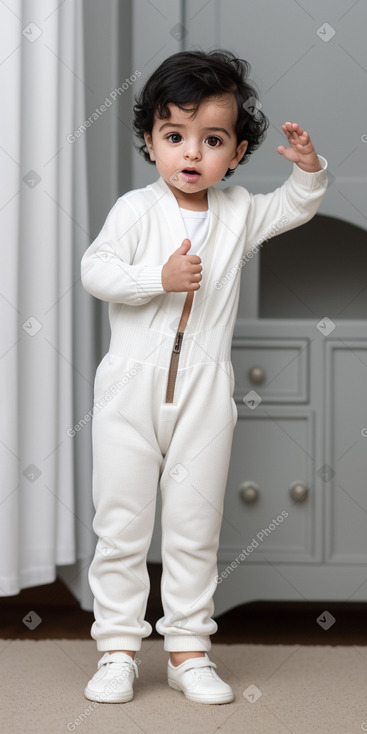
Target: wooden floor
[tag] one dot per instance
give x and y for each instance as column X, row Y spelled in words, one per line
column 265, row 623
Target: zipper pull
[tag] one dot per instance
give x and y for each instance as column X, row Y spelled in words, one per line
column 178, row 341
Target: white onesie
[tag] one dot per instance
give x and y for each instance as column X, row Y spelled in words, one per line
column 141, row 439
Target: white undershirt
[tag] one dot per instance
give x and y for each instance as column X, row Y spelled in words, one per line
column 196, row 225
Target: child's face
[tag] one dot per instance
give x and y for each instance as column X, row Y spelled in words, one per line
column 206, row 143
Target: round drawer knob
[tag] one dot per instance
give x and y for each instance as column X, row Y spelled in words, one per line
column 256, row 375
column 298, row 492
column 249, row 492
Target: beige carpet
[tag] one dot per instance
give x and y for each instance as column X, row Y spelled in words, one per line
column 278, row 689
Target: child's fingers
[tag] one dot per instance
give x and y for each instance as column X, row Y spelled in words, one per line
column 296, row 134
column 301, row 134
column 290, row 134
column 296, row 128
column 292, row 128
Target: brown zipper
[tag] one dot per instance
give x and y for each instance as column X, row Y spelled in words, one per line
column 175, row 356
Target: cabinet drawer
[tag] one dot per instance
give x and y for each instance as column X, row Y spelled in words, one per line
column 277, row 369
column 271, row 509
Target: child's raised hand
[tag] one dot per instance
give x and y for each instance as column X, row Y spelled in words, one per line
column 182, row 272
column 301, row 150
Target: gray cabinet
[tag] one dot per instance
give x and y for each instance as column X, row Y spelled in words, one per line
column 295, row 511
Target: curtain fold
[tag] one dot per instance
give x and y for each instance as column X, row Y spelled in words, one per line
column 47, row 347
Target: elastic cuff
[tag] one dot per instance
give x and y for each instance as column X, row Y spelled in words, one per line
column 303, row 177
column 149, row 281
column 119, row 643
column 182, row 643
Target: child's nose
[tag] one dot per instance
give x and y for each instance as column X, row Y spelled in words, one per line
column 192, row 150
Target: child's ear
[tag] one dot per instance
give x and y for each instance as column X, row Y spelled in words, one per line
column 241, row 149
column 149, row 144
column 240, row 152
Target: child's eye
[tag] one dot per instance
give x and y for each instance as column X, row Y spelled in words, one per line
column 216, row 140
column 174, row 135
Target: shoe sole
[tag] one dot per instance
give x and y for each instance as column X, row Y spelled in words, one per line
column 92, row 696
column 226, row 698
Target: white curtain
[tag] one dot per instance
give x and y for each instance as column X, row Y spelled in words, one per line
column 47, row 352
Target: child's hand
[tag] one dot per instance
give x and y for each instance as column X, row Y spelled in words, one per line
column 301, row 150
column 182, row 272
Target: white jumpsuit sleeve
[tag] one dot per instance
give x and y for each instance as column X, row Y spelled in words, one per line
column 106, row 269
column 290, row 205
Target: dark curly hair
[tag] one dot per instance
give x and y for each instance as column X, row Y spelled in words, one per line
column 188, row 77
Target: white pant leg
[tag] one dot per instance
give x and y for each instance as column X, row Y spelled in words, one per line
column 193, row 484
column 126, row 466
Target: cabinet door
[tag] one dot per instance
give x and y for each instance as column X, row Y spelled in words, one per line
column 272, row 451
column 346, row 451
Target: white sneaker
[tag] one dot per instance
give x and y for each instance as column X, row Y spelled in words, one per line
column 113, row 681
column 198, row 681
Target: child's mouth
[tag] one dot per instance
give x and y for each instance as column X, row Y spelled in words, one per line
column 191, row 176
